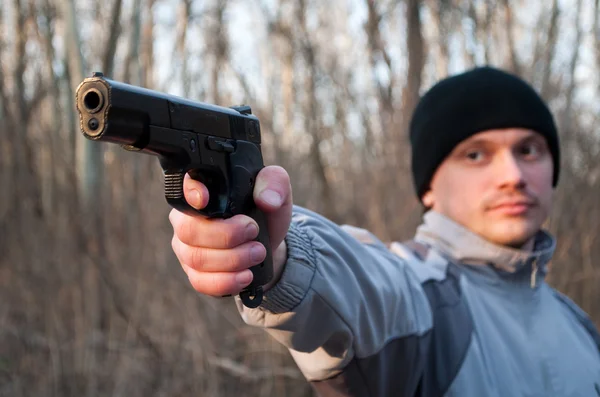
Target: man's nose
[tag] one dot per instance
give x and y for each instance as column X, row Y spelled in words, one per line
column 510, row 172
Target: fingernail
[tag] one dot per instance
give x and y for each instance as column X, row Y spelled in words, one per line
column 271, row 197
column 195, row 198
column 257, row 253
column 244, row 278
column 251, row 231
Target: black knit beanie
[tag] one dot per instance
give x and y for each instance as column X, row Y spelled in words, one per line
column 460, row 106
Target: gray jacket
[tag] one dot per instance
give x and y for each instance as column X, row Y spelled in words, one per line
column 449, row 314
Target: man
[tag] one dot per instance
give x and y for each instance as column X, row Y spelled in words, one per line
column 463, row 309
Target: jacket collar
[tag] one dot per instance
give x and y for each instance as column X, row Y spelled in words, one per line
column 463, row 245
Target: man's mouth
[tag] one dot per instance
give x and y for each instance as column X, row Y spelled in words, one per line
column 513, row 208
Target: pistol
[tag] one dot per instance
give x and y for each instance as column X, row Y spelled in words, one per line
column 218, row 146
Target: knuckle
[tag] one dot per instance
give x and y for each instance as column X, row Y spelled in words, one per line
column 278, row 175
column 275, row 178
column 198, row 258
column 221, row 285
column 172, row 216
column 188, row 229
column 280, row 171
column 195, row 283
column 224, row 240
column 216, row 283
column 248, row 260
column 235, row 260
column 177, row 224
column 174, row 243
column 210, row 286
column 185, row 268
column 228, row 237
column 185, row 230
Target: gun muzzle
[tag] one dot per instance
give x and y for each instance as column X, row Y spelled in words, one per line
column 92, row 104
column 93, row 100
column 109, row 119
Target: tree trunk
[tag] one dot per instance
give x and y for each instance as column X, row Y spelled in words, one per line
column 182, row 25
column 88, row 153
column 513, row 61
column 569, row 94
column 550, row 49
column 108, row 60
column 147, row 47
column 219, row 49
column 52, row 181
column 312, row 120
column 132, row 68
column 442, row 52
column 19, row 123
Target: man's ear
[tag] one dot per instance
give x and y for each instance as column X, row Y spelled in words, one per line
column 428, row 199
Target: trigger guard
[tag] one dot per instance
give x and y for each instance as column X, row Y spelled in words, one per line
column 217, row 190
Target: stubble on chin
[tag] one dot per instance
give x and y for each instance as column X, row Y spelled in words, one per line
column 513, row 233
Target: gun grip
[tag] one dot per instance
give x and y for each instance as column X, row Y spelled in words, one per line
column 244, row 165
column 262, row 273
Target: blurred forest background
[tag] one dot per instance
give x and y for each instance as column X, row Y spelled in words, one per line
column 92, row 299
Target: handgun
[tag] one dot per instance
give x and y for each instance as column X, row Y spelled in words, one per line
column 218, row 146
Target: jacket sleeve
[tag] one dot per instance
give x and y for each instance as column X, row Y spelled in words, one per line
column 342, row 294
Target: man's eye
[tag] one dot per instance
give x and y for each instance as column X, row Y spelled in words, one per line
column 475, row 155
column 530, row 150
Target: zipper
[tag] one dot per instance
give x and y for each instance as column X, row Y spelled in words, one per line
column 534, row 270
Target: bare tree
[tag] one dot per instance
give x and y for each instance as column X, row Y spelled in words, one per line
column 441, row 10
column 550, row 48
column 218, row 47
column 147, row 47
column 131, row 69
column 512, row 61
column 92, row 302
column 184, row 14
column 87, row 156
column 570, row 89
column 108, row 60
column 313, row 124
column 596, row 31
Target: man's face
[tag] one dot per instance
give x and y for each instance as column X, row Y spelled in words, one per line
column 497, row 183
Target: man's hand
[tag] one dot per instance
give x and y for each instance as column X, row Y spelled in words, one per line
column 216, row 253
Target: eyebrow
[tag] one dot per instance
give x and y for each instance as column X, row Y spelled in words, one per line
column 478, row 141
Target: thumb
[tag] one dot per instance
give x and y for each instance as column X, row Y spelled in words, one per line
column 273, row 196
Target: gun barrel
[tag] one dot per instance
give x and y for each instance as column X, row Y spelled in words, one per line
column 101, row 120
column 120, row 113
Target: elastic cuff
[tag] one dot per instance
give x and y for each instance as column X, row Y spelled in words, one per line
column 297, row 274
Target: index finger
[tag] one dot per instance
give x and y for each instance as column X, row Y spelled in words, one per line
column 195, row 192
